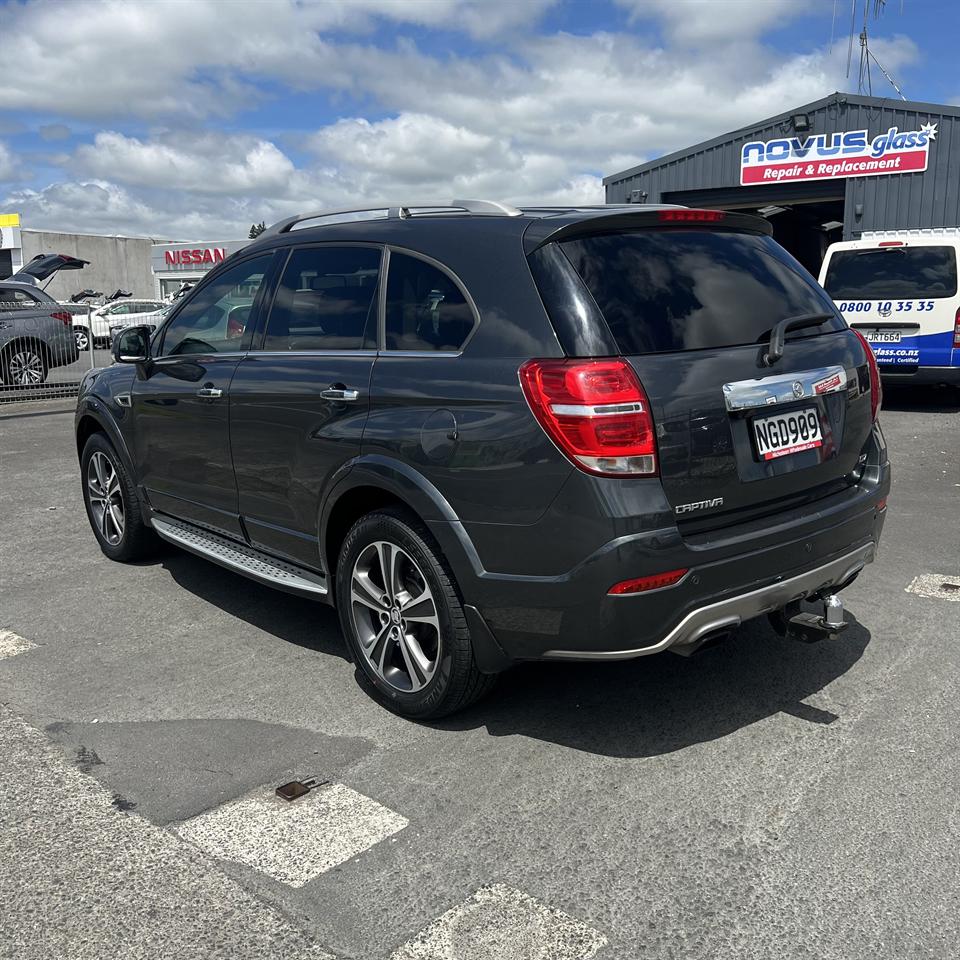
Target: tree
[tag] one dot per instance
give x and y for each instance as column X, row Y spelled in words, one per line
column 256, row 229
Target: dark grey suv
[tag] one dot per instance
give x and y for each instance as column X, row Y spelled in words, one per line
column 489, row 435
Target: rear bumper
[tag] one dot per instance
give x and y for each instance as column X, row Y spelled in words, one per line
column 734, row 574
column 734, row 610
column 922, row 375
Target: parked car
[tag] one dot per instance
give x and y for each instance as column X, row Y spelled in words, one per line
column 899, row 289
column 117, row 315
column 35, row 331
column 488, row 435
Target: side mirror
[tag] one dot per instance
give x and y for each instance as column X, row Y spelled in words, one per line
column 132, row 345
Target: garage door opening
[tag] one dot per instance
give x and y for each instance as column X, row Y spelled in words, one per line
column 805, row 219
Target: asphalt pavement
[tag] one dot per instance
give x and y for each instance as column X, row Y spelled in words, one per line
column 763, row 799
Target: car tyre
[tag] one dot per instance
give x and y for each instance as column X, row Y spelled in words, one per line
column 406, row 631
column 82, row 336
column 113, row 507
column 23, row 365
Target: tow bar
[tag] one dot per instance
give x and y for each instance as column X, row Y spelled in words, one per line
column 797, row 624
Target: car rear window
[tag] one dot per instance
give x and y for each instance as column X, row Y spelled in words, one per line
column 667, row 290
column 892, row 273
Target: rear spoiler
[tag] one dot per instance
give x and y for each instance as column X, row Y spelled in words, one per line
column 597, row 221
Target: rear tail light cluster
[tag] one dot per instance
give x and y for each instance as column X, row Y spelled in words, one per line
column 596, row 412
column 64, row 317
column 876, row 390
column 956, row 330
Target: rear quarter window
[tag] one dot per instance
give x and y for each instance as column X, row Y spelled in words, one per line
column 668, row 290
column 892, row 273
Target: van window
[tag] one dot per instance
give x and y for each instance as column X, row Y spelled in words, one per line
column 327, row 300
column 892, row 273
column 426, row 310
column 666, row 290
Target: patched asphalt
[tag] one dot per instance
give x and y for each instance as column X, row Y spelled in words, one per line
column 763, row 799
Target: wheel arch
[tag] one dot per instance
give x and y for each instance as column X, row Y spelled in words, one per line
column 93, row 419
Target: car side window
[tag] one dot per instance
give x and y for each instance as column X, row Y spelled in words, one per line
column 426, row 310
column 326, row 300
column 217, row 317
column 13, row 299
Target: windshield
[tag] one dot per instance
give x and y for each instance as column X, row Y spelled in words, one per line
column 901, row 273
column 665, row 290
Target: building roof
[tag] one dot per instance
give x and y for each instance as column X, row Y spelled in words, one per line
column 834, row 98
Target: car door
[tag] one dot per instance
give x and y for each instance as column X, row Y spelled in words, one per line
column 299, row 400
column 180, row 398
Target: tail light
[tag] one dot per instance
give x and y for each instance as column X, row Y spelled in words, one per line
column 956, row 330
column 65, row 318
column 876, row 390
column 596, row 412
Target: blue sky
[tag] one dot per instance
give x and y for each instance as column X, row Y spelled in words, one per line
column 193, row 118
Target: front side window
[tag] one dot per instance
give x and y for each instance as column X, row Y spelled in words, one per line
column 894, row 273
column 326, row 300
column 216, row 319
column 426, row 310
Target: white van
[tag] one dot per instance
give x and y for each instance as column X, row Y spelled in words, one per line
column 899, row 289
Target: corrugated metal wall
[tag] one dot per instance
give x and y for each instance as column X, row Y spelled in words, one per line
column 896, row 201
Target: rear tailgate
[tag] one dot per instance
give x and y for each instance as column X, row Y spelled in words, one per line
column 692, row 308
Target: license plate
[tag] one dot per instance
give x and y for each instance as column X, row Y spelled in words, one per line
column 787, row 433
column 882, row 336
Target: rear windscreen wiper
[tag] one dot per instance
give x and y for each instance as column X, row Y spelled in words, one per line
column 779, row 332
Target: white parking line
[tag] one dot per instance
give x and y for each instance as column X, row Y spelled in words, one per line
column 501, row 923
column 11, row 644
column 936, row 585
column 293, row 842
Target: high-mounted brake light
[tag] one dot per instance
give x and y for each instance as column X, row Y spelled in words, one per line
column 891, row 243
column 62, row 315
column 642, row 584
column 876, row 390
column 956, row 330
column 691, row 216
column 596, row 412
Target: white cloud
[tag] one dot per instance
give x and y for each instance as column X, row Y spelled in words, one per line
column 709, row 21
column 8, row 164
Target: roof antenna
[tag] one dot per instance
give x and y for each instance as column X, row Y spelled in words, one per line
column 865, row 80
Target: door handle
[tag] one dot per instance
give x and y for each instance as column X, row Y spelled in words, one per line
column 210, row 393
column 339, row 393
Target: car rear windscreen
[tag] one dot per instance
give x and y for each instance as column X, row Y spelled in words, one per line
column 666, row 290
column 892, row 273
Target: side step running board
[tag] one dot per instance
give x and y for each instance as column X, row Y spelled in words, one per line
column 241, row 558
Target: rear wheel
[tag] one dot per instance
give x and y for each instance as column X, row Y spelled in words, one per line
column 402, row 617
column 24, row 365
column 113, row 508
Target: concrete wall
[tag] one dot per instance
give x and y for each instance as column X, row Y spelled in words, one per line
column 115, row 262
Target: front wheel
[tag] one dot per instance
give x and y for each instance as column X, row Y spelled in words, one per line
column 82, row 336
column 111, row 501
column 403, row 620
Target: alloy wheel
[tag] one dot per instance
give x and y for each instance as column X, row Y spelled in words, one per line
column 106, row 500
column 82, row 338
column 25, row 368
column 395, row 617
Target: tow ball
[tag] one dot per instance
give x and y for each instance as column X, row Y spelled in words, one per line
column 808, row 627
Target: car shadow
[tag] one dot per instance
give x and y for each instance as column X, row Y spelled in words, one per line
column 306, row 623
column 633, row 708
column 659, row 704
column 907, row 399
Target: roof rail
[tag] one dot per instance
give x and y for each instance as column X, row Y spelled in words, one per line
column 402, row 211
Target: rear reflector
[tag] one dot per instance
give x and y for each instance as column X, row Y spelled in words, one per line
column 62, row 316
column 641, row 584
column 881, row 504
column 596, row 412
column 691, row 216
column 876, row 390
